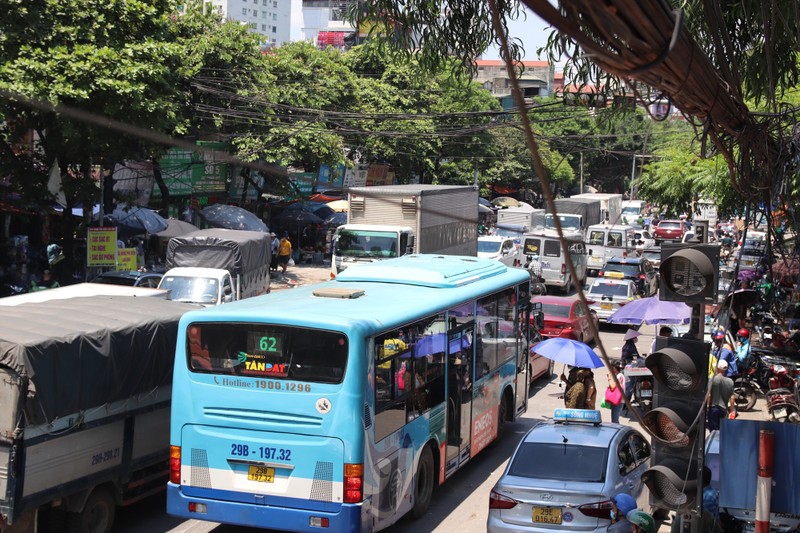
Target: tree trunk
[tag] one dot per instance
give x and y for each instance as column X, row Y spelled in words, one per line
column 162, row 187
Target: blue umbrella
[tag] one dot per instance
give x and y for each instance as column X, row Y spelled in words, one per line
column 568, row 351
column 651, row 311
column 336, row 219
column 232, row 217
column 134, row 220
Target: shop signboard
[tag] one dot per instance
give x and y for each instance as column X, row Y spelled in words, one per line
column 189, row 172
column 127, row 259
column 101, row 247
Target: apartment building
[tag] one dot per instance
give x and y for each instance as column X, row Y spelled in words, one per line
column 270, row 19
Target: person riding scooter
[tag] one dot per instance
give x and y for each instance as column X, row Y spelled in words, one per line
column 743, row 348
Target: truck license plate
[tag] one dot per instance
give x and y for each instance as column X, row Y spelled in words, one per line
column 263, row 474
column 546, row 515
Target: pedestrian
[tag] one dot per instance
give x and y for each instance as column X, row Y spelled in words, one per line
column 273, row 261
column 720, row 400
column 284, row 251
column 621, row 505
column 641, row 522
column 590, row 400
column 616, row 408
column 629, row 351
column 575, row 392
column 663, row 331
column 47, row 282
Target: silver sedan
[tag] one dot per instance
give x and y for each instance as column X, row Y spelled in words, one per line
column 564, row 473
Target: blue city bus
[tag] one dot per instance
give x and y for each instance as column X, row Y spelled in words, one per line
column 340, row 406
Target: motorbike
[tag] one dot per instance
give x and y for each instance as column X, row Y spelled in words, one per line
column 783, row 397
column 643, row 393
column 538, row 288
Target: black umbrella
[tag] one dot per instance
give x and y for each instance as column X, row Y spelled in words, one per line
column 176, row 228
column 232, row 217
column 135, row 220
column 296, row 217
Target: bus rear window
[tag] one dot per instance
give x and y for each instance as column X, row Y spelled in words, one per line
column 267, row 351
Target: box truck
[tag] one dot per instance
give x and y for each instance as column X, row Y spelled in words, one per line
column 393, row 220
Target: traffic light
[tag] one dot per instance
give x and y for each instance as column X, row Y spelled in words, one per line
column 689, row 273
column 677, row 422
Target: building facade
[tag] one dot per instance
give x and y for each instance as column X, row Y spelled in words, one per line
column 537, row 79
column 324, row 23
column 271, row 19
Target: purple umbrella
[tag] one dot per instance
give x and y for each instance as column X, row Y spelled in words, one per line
column 431, row 344
column 652, row 311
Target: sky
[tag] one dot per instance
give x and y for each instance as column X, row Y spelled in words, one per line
column 533, row 32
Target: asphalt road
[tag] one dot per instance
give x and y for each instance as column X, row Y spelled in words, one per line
column 461, row 504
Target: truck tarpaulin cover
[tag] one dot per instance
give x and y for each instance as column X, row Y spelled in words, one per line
column 233, row 250
column 81, row 353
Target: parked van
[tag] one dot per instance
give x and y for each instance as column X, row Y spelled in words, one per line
column 543, row 255
column 606, row 241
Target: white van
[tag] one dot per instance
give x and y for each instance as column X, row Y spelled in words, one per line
column 543, row 255
column 631, row 211
column 606, row 241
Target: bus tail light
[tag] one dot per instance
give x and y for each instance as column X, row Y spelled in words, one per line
column 498, row 501
column 175, row 464
column 597, row 510
column 318, row 521
column 353, row 483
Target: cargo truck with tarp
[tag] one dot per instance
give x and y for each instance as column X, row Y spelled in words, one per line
column 85, row 390
column 214, row 266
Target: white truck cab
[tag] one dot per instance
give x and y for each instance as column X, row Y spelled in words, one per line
column 205, row 286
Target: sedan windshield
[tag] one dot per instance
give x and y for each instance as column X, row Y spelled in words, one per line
column 628, row 270
column 555, row 310
column 669, row 225
column 606, row 289
column 488, row 247
column 563, row 462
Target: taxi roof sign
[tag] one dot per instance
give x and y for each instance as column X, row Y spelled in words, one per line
column 590, row 416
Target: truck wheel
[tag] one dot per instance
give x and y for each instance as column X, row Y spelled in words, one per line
column 97, row 515
column 423, row 483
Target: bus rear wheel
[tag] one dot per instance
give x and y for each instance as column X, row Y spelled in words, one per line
column 423, row 487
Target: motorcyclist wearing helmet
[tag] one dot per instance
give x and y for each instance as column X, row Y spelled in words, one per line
column 743, row 348
column 641, row 522
column 724, row 351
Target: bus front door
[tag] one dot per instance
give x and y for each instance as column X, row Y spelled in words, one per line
column 459, row 404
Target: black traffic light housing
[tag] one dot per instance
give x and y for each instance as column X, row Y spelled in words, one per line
column 689, row 273
column 677, row 421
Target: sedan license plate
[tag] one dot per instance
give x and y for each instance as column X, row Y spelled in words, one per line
column 605, row 306
column 263, row 474
column 646, row 393
column 547, row 515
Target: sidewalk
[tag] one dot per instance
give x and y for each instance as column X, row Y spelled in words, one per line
column 303, row 274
